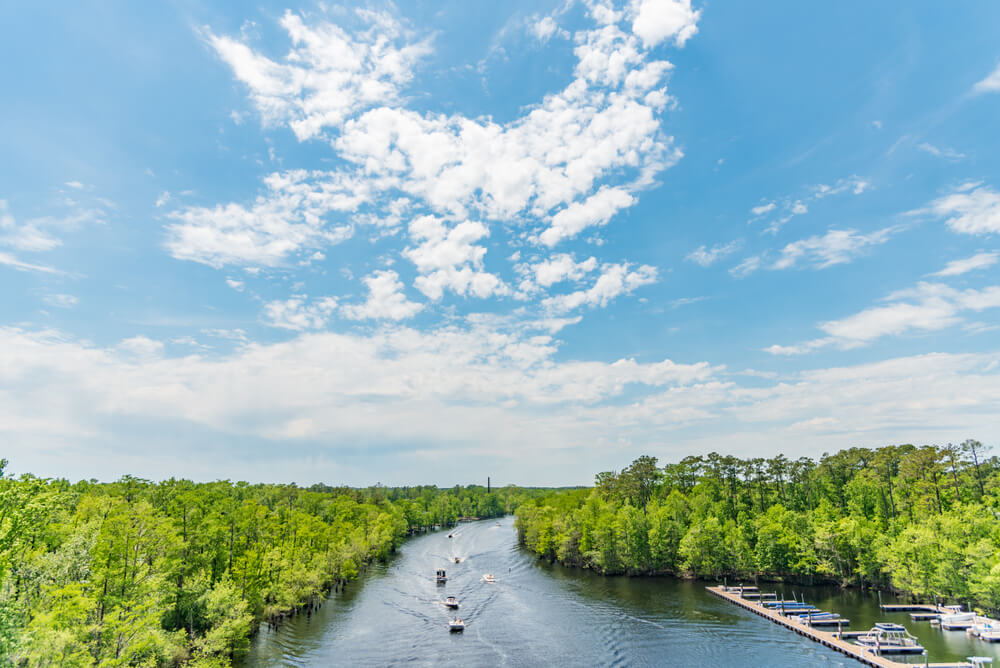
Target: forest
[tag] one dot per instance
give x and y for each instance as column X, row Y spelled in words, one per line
column 919, row 520
column 140, row 573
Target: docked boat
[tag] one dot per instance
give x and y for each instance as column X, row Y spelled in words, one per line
column 823, row 619
column 456, row 625
column 488, row 577
column 889, row 638
column 440, row 576
column 451, row 602
column 955, row 619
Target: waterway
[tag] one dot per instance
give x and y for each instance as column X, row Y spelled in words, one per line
column 541, row 614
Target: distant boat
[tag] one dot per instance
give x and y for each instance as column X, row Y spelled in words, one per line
column 488, row 577
column 456, row 625
column 451, row 602
column 889, row 638
column 440, row 577
column 498, row 524
column 458, row 560
column 451, row 535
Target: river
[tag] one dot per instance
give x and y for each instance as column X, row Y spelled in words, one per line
column 538, row 614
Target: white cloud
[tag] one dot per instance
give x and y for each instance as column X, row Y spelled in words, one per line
column 9, row 260
column 292, row 217
column 763, row 208
column 834, row 247
column 944, row 153
column 60, row 300
column 235, row 284
column 140, row 348
column 747, row 266
column 544, row 28
column 927, row 307
column 991, row 84
column 707, row 257
column 27, row 237
column 297, row 313
column 658, row 20
column 449, row 258
column 615, row 280
column 560, row 267
column 963, row 266
column 597, row 209
column 479, row 389
column 328, row 75
column 76, row 185
column 971, row 209
column 386, row 300
column 162, row 199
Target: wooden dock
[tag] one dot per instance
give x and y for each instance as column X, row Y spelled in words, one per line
column 911, row 607
column 831, row 640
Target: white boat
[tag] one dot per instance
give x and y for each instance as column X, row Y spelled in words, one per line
column 889, row 638
column 457, row 560
column 488, row 577
column 955, row 619
column 456, row 625
column 451, row 602
column 440, row 577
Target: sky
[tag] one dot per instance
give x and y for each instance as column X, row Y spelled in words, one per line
column 428, row 243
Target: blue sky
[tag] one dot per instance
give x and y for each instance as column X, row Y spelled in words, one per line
column 438, row 241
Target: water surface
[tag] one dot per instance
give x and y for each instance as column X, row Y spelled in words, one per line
column 539, row 614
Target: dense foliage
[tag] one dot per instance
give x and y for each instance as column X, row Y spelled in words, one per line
column 136, row 573
column 923, row 520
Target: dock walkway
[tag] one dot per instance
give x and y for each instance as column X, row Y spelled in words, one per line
column 830, row 640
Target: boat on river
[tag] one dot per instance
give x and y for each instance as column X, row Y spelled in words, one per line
column 488, row 577
column 889, row 638
column 456, row 625
column 985, row 628
column 451, row 602
column 457, row 560
column 440, row 576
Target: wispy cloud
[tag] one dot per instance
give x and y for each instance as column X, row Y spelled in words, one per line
column 924, row 308
column 834, row 247
column 944, row 153
column 706, row 257
column 60, row 300
column 971, row 208
column 991, row 84
column 977, row 261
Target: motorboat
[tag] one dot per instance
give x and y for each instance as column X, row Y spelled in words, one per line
column 488, row 577
column 985, row 628
column 822, row 619
column 451, row 535
column 955, row 619
column 457, row 560
column 440, row 576
column 451, row 602
column 456, row 625
column 889, row 638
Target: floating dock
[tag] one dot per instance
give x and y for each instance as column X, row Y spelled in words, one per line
column 832, row 640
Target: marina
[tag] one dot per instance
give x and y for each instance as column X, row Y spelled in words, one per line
column 869, row 652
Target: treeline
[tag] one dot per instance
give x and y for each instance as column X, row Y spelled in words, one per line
column 137, row 573
column 922, row 520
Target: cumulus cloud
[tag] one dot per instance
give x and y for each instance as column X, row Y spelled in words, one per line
column 925, row 308
column 386, row 300
column 834, row 247
column 615, row 280
column 298, row 313
column 448, row 258
column 971, row 209
column 965, row 265
column 659, row 20
column 329, row 74
column 291, row 217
